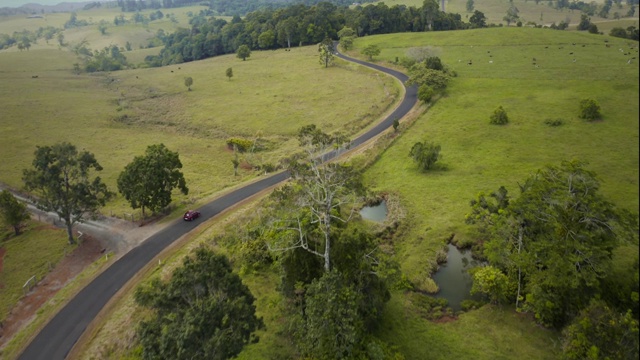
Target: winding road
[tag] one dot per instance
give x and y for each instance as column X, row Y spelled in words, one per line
column 58, row 337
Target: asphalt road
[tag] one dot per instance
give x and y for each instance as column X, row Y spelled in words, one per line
column 59, row 336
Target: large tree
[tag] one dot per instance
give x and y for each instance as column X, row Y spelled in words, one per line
column 13, row 212
column 203, row 312
column 325, row 48
column 148, row 181
column 243, row 52
column 554, row 241
column 62, row 179
column 323, row 192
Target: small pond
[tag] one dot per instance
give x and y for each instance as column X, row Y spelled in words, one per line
column 377, row 213
column 453, row 278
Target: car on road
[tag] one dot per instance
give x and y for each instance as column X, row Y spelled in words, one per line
column 191, row 215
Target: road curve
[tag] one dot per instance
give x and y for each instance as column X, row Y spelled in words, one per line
column 59, row 336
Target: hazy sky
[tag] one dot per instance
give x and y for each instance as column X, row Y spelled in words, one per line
column 16, row 3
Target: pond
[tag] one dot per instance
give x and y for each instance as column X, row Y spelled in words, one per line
column 453, row 278
column 377, row 213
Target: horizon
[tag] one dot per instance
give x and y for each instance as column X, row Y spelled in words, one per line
column 18, row 3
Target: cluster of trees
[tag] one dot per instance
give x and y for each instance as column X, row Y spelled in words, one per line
column 630, row 33
column 203, row 311
column 299, row 24
column 63, row 180
column 428, row 73
column 334, row 275
column 24, row 38
column 107, row 59
column 550, row 252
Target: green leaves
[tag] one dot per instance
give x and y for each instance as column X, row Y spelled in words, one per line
column 203, row 312
column 148, row 181
column 13, row 213
column 426, row 154
column 61, row 179
column 555, row 239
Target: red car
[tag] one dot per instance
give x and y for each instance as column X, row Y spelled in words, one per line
column 191, row 215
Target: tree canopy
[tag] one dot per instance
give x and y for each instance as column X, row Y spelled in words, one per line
column 554, row 242
column 63, row 182
column 13, row 212
column 203, row 311
column 148, row 181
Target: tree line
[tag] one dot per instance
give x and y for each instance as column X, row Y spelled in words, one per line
column 300, row 25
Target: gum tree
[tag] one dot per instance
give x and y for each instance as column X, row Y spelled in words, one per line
column 63, row 181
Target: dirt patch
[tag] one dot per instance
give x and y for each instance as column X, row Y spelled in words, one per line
column 70, row 266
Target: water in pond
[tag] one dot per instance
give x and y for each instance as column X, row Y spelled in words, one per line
column 453, row 278
column 375, row 213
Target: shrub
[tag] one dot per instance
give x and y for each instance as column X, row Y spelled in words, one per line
column 425, row 93
column 499, row 116
column 242, row 145
column 554, row 122
column 589, row 109
column 425, row 154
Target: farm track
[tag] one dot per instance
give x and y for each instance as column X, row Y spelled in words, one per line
column 61, row 333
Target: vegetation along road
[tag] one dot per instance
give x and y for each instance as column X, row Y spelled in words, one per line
column 58, row 337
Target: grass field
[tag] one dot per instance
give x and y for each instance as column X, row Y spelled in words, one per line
column 480, row 157
column 19, row 265
column 270, row 96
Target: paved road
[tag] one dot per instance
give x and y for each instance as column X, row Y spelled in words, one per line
column 58, row 337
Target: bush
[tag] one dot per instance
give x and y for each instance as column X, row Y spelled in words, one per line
column 589, row 109
column 242, row 145
column 425, row 154
column 554, row 122
column 425, row 93
column 499, row 116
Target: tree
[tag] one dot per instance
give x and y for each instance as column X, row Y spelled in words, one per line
column 512, row 15
column 555, row 241
column 326, row 50
column 331, row 327
column 203, row 311
column 267, row 39
column 371, row 51
column 420, row 74
column 229, row 73
column 323, row 191
column 589, row 109
column 490, row 281
column 470, row 5
column 426, row 154
column 13, row 213
column 599, row 332
column 147, row 182
column 102, row 27
column 346, row 35
column 62, row 180
column 188, row 81
column 585, row 22
column 478, row 20
column 425, row 93
column 499, row 116
column 593, row 29
column 243, row 52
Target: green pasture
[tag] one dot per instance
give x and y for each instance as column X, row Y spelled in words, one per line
column 478, row 157
column 19, row 265
column 117, row 115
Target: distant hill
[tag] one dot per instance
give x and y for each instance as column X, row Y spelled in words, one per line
column 38, row 8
